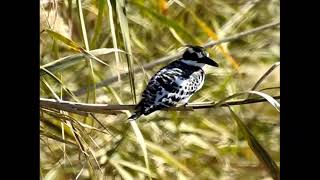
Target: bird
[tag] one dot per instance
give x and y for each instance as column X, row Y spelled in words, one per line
column 175, row 83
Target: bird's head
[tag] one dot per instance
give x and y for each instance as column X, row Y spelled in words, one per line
column 197, row 56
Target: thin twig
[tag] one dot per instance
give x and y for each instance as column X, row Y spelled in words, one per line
column 81, row 108
column 167, row 59
column 242, row 34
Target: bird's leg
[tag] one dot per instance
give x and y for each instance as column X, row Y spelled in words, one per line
column 185, row 102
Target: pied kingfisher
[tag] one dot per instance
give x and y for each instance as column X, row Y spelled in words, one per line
column 174, row 83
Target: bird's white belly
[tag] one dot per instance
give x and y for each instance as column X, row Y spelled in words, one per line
column 186, row 86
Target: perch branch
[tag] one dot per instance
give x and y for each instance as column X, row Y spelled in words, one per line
column 82, row 108
column 167, row 59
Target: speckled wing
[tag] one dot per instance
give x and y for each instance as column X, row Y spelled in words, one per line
column 171, row 85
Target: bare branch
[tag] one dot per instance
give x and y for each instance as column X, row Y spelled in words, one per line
column 167, row 59
column 81, row 108
column 242, row 34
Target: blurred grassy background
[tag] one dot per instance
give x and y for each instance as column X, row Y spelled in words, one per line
column 201, row 144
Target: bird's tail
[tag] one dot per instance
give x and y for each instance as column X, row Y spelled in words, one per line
column 135, row 116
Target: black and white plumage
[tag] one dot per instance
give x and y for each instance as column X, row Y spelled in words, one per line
column 175, row 83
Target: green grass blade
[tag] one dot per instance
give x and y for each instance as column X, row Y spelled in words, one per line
column 91, row 56
column 136, row 130
column 50, row 89
column 70, row 93
column 73, row 45
column 134, row 166
column 68, row 61
column 60, row 82
column 124, row 174
column 258, row 150
column 114, row 37
column 169, row 158
column 269, row 71
column 54, row 125
column 168, row 23
column 83, row 27
column 57, row 138
column 127, row 42
column 91, row 79
column 98, row 27
column 270, row 99
column 55, row 173
column 141, row 142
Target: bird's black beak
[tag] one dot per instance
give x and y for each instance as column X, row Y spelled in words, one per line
column 210, row 62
